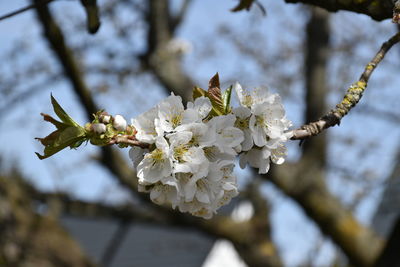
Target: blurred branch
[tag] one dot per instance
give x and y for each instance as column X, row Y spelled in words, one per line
column 390, row 255
column 176, row 20
column 21, row 10
column 304, row 183
column 92, row 15
column 351, row 98
column 317, row 52
column 252, row 241
column 164, row 63
column 54, row 36
column 378, row 10
column 28, row 238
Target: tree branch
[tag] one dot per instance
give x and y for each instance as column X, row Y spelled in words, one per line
column 21, row 10
column 351, row 98
column 378, row 10
column 390, row 255
column 31, row 239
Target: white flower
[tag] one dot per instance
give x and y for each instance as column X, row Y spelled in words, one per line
column 119, row 123
column 202, row 197
column 202, row 105
column 257, row 158
column 136, row 154
column 144, row 125
column 187, row 158
column 246, row 99
column 165, row 192
column 228, row 136
column 99, row 128
column 171, row 114
column 156, row 164
column 202, row 135
column 266, row 122
column 242, row 122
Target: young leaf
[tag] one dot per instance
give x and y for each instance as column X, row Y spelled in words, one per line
column 214, row 94
column 198, row 92
column 68, row 132
column 226, row 98
column 61, row 113
column 58, row 140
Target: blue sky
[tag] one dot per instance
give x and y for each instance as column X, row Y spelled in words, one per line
column 73, row 171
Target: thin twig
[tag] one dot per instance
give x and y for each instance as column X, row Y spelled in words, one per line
column 127, row 140
column 351, row 98
column 21, row 10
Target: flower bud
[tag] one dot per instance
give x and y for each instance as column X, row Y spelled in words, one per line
column 105, row 118
column 98, row 128
column 119, row 123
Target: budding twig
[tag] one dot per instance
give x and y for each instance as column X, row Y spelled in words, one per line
column 350, row 99
column 127, row 140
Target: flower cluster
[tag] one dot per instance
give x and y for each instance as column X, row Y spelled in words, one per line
column 190, row 160
column 261, row 117
column 191, row 157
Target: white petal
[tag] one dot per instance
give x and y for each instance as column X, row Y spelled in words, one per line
column 203, row 106
column 242, row 112
column 136, row 154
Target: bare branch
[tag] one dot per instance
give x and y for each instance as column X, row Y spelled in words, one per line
column 177, row 20
column 92, row 15
column 21, row 10
column 351, row 98
column 378, row 10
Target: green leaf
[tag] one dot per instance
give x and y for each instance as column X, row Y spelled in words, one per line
column 68, row 132
column 61, row 113
column 58, row 140
column 198, row 92
column 226, row 98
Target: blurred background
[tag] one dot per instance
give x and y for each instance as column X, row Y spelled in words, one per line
column 331, row 204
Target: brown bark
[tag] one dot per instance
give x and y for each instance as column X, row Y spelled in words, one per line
column 31, row 239
column 378, row 10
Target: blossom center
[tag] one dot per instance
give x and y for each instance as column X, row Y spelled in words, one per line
column 179, row 151
column 260, row 121
column 157, row 155
column 242, row 123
